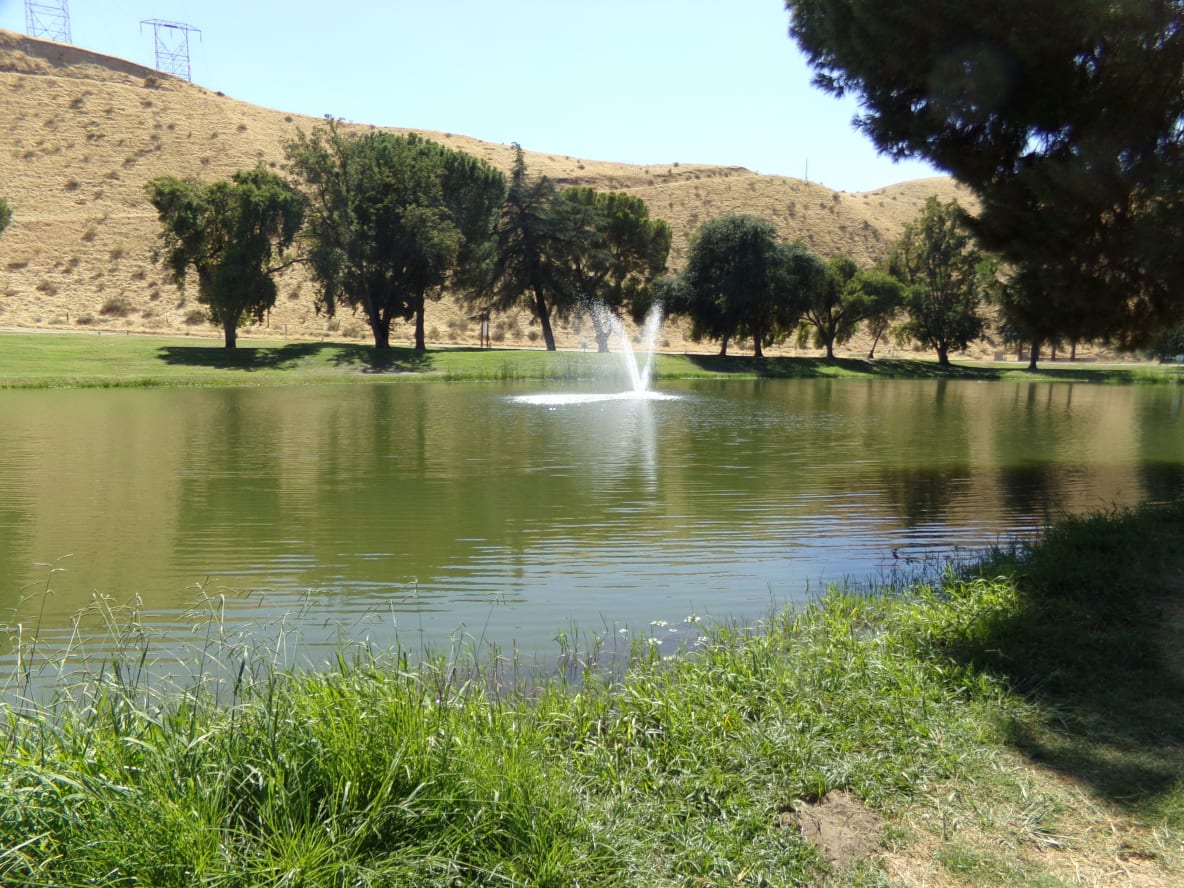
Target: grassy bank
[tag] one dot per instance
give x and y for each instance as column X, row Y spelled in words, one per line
column 42, row 360
column 1021, row 726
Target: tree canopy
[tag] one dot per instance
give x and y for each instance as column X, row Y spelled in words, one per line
column 625, row 252
column 391, row 219
column 740, row 282
column 944, row 275
column 5, row 214
column 537, row 239
column 229, row 233
column 845, row 297
column 1066, row 119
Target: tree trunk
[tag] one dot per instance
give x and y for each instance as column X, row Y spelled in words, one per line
column 381, row 327
column 876, row 334
column 723, row 347
column 601, row 332
column 1035, row 356
column 544, row 315
column 943, row 355
column 230, row 333
column 756, row 347
column 830, row 350
column 420, row 341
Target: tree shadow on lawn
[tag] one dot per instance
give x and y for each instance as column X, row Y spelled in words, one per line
column 364, row 359
column 1098, row 646
column 816, row 368
column 904, row 368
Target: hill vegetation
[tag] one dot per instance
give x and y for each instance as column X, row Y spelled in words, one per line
column 84, row 133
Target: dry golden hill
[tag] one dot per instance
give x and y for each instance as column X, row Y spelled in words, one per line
column 83, row 132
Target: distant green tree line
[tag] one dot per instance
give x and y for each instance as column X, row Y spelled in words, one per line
column 741, row 283
column 386, row 223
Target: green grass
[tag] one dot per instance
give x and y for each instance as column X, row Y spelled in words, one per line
column 392, row 771
column 84, row 360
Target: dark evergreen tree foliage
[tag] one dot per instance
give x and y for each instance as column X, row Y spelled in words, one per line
column 883, row 296
column 740, row 282
column 536, row 241
column 392, row 220
column 229, row 233
column 846, row 297
column 946, row 279
column 1065, row 118
column 1169, row 345
column 623, row 255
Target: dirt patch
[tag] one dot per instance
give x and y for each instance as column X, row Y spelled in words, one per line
column 842, row 828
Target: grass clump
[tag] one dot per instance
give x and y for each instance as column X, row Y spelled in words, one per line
column 380, row 773
column 988, row 717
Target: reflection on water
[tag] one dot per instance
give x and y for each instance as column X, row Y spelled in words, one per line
column 416, row 511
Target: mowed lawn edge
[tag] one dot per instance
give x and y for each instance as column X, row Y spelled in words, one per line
column 56, row 360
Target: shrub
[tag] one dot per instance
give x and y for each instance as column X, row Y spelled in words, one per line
column 116, row 307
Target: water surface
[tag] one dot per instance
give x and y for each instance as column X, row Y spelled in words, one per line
column 416, row 512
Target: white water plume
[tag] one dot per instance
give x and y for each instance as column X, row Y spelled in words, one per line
column 639, row 362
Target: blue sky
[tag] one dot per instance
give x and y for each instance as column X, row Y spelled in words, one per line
column 638, row 81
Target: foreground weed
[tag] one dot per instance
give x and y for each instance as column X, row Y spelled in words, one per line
column 389, row 770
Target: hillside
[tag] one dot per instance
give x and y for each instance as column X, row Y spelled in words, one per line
column 83, row 132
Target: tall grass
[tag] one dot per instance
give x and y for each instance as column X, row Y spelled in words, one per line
column 437, row 772
column 389, row 769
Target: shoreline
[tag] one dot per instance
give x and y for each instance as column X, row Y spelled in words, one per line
column 32, row 360
column 1016, row 723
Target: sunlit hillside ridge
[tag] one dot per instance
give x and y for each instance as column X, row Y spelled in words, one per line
column 83, row 133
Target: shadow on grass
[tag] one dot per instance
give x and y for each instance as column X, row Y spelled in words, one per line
column 1098, row 646
column 812, row 368
column 903, row 368
column 363, row 358
column 368, row 359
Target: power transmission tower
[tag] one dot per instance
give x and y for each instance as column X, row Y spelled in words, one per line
column 48, row 20
column 172, row 46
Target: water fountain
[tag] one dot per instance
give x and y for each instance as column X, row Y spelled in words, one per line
column 639, row 375
column 639, row 363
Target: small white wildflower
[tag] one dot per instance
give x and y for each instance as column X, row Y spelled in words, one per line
column 659, row 623
column 693, row 618
column 623, row 631
column 654, row 642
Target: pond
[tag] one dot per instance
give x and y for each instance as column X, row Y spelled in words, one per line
column 422, row 513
